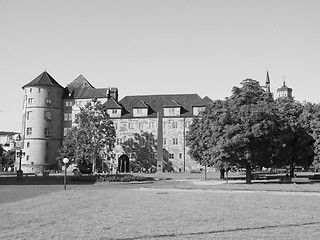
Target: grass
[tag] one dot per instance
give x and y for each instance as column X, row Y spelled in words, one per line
column 162, row 210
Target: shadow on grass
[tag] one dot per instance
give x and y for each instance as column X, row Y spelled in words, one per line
column 48, row 180
column 218, row 231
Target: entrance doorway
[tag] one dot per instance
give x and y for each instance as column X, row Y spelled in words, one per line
column 123, row 164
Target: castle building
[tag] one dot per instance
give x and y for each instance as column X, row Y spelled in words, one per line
column 49, row 112
column 134, row 114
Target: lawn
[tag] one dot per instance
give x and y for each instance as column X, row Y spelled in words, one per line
column 163, row 210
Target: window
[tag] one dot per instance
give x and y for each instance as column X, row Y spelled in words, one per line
column 114, row 111
column 30, row 89
column 131, row 125
column 65, row 131
column 30, row 100
column 140, row 125
column 28, row 144
column 47, row 131
column 48, row 101
column 28, row 157
column 164, row 141
column 47, row 115
column 139, row 110
column 67, row 116
column 175, row 141
column 29, row 113
column 119, row 141
column 39, row 89
column 180, row 155
column 151, row 125
column 174, row 125
column 67, row 104
column 29, row 131
column 47, row 145
column 152, row 155
column 171, row 155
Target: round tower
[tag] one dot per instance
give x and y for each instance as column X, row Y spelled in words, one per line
column 41, row 124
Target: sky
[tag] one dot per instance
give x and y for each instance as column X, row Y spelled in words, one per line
column 146, row 47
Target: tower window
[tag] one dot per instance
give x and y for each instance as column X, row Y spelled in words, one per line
column 28, row 157
column 30, row 100
column 29, row 113
column 29, row 131
column 48, row 101
column 47, row 131
column 47, row 115
column 30, row 89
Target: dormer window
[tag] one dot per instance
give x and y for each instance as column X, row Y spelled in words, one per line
column 197, row 110
column 172, row 109
column 140, row 109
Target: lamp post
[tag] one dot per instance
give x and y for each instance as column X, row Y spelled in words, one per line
column 65, row 161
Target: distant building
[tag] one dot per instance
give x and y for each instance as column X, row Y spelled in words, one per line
column 284, row 91
column 8, row 139
column 49, row 112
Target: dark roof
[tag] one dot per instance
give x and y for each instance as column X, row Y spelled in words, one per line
column 157, row 102
column 3, row 133
column 43, row 79
column 171, row 103
column 79, row 82
column 140, row 104
column 82, row 88
column 112, row 104
column 284, row 88
column 204, row 102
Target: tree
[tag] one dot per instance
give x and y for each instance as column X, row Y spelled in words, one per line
column 8, row 158
column 297, row 143
column 93, row 134
column 142, row 150
column 238, row 130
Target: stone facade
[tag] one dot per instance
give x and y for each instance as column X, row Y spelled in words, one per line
column 42, row 129
column 49, row 111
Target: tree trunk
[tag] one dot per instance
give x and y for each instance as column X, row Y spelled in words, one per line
column 292, row 168
column 248, row 173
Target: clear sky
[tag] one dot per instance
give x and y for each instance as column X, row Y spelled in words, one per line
column 158, row 46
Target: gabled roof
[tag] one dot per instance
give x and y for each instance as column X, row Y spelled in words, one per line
column 203, row 102
column 43, row 79
column 171, row 103
column 112, row 104
column 79, row 82
column 157, row 102
column 140, row 104
column 82, row 88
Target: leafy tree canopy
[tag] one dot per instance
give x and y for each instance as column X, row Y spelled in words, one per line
column 142, row 149
column 93, row 134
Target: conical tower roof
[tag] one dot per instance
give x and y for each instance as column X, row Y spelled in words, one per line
column 43, row 79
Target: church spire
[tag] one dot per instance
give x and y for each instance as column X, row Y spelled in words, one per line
column 268, row 83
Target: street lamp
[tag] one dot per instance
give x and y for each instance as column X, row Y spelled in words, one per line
column 65, row 161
